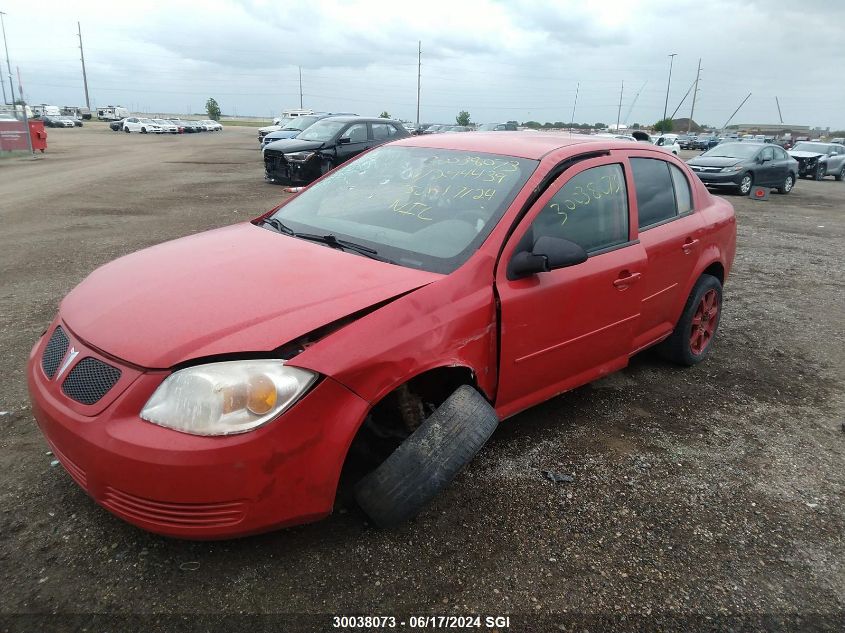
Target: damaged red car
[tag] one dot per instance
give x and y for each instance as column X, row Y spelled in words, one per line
column 375, row 328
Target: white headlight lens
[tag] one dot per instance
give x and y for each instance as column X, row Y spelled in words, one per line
column 226, row 398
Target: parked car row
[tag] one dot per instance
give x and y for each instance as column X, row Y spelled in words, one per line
column 164, row 126
column 744, row 165
column 60, row 121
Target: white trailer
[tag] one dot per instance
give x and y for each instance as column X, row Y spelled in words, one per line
column 112, row 113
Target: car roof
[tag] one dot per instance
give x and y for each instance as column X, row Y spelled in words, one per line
column 520, row 144
column 360, row 119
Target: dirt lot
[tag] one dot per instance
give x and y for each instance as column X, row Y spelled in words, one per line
column 699, row 494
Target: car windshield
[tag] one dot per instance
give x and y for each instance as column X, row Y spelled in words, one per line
column 322, row 130
column 419, row 207
column 817, row 148
column 732, row 150
column 146, row 121
column 162, row 122
column 301, row 122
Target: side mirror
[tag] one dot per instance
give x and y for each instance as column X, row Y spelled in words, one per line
column 549, row 253
column 344, row 140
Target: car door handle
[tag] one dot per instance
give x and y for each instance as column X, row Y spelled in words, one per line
column 688, row 245
column 626, row 279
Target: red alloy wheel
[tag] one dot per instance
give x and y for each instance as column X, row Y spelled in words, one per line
column 704, row 322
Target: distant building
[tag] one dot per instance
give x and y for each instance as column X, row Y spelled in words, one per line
column 772, row 128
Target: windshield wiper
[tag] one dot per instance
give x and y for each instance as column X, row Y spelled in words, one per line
column 329, row 240
column 280, row 226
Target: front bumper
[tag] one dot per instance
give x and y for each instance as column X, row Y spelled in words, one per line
column 188, row 486
column 278, row 170
column 719, row 179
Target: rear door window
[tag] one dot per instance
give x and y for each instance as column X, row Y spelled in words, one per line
column 655, row 191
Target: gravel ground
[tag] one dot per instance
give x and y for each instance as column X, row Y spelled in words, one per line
column 709, row 497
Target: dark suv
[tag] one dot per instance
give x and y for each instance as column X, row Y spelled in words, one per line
column 325, row 145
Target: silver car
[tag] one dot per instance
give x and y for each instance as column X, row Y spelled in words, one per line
column 817, row 160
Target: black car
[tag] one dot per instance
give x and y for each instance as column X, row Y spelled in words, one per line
column 496, row 127
column 325, row 145
column 705, row 142
column 191, row 126
column 741, row 166
column 117, row 126
column 686, row 141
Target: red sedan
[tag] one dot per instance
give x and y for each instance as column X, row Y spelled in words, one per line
column 377, row 325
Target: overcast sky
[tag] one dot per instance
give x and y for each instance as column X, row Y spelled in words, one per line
column 514, row 59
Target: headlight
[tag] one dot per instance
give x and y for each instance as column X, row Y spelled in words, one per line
column 736, row 167
column 226, row 398
column 299, row 157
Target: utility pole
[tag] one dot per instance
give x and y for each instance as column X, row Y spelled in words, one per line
column 686, row 94
column 780, row 116
column 668, row 83
column 8, row 65
column 735, row 111
column 574, row 105
column 619, row 112
column 419, row 78
column 694, row 94
column 25, row 117
column 82, row 57
column 300, row 87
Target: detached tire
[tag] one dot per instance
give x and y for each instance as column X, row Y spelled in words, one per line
column 692, row 338
column 427, row 461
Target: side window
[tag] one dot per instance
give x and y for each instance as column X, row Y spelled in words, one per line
column 780, row 154
column 768, row 154
column 655, row 192
column 382, row 131
column 356, row 133
column 591, row 209
column 683, row 196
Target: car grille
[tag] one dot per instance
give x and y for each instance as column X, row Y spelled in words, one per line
column 90, row 380
column 706, row 169
column 167, row 514
column 54, row 352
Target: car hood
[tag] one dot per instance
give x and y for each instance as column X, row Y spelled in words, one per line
column 287, row 145
column 714, row 161
column 283, row 134
column 269, row 128
column 797, row 154
column 242, row 288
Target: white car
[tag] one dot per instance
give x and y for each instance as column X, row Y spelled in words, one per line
column 212, row 126
column 669, row 142
column 144, row 126
column 166, row 126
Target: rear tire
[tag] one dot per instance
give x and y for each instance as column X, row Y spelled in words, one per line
column 787, row 185
column 428, row 459
column 126, row 129
column 692, row 338
column 841, row 174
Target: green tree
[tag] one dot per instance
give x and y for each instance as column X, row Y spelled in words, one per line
column 213, row 109
column 385, row 115
column 636, row 126
column 462, row 118
column 532, row 124
column 664, row 125
column 600, row 125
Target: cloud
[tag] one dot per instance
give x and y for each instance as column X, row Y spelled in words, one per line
column 500, row 59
